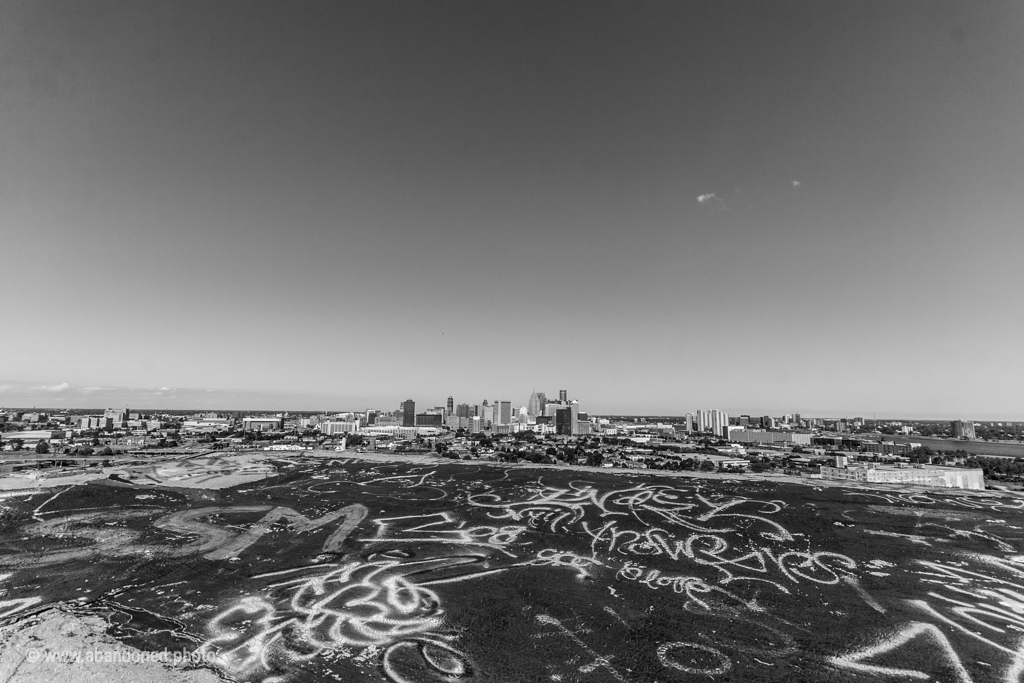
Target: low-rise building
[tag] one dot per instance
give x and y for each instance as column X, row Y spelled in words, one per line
column 914, row 475
column 769, row 437
column 262, row 424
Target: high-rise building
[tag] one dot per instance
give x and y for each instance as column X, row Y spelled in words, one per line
column 534, row 406
column 463, row 410
column 564, row 422
column 451, row 405
column 487, row 413
column 563, row 396
column 503, row 412
column 574, row 409
column 963, row 429
column 409, row 413
column 719, row 423
column 523, row 416
column 688, row 423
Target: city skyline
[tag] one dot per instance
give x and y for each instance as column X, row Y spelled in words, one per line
column 785, row 206
column 66, row 396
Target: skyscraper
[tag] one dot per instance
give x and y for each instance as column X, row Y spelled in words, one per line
column 451, row 405
column 563, row 396
column 503, row 412
column 409, row 413
column 533, row 406
column 719, row 422
column 563, row 421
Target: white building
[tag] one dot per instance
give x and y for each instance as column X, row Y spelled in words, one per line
column 915, row 475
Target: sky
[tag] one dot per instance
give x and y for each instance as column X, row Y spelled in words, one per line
column 765, row 208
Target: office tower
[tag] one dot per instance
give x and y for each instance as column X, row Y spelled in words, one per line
column 524, row 415
column 963, row 429
column 409, row 413
column 503, row 412
column 563, row 396
column 563, row 421
column 688, row 422
column 534, row 406
column 463, row 410
column 451, row 405
column 744, row 420
column 371, row 417
column 768, row 422
column 574, row 410
column 487, row 413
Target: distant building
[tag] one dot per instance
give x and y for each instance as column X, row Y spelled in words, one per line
column 563, row 396
column 769, row 437
column 262, row 424
column 564, row 421
column 888, row 447
column 503, row 412
column 430, row 419
column 332, row 427
column 534, row 405
column 963, row 429
column 915, row 475
column 450, row 406
column 409, row 413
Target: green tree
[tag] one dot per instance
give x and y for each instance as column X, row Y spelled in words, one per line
column 707, row 466
column 42, row 447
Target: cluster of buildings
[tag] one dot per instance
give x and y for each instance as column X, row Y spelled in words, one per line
column 540, row 414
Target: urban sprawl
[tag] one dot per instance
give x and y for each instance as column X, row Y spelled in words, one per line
column 543, row 431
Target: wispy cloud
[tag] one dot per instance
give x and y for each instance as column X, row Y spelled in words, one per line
column 797, row 183
column 55, row 389
column 704, row 198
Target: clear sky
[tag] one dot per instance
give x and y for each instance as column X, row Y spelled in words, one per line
column 762, row 207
